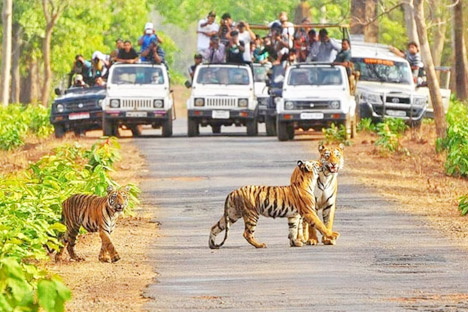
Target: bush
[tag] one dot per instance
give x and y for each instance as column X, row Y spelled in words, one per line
column 389, row 133
column 31, row 210
column 334, row 134
column 456, row 141
column 17, row 122
column 366, row 125
column 463, row 204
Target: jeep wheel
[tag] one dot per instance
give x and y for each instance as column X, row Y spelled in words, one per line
column 282, row 129
column 290, row 130
column 252, row 127
column 270, row 125
column 108, row 127
column 167, row 125
column 59, row 131
column 136, row 130
column 216, row 128
column 192, row 127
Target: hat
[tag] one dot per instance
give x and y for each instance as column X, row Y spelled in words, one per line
column 79, row 77
column 99, row 55
column 149, row 28
column 212, row 13
column 198, row 56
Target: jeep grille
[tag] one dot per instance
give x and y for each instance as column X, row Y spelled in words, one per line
column 221, row 102
column 137, row 103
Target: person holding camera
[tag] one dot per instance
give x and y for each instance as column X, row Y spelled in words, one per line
column 148, row 36
column 216, row 52
column 154, row 53
column 227, row 25
column 236, row 49
column 206, row 28
column 81, row 67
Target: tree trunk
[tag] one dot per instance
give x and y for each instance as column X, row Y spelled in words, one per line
column 6, row 49
column 33, row 82
column 461, row 64
column 411, row 30
column 432, row 81
column 371, row 31
column 15, row 66
column 47, row 68
column 358, row 17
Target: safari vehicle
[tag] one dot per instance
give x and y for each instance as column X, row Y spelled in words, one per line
column 77, row 110
column 222, row 95
column 386, row 87
column 138, row 94
column 315, row 95
column 266, row 113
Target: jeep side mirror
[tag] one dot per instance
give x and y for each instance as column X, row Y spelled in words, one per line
column 58, row 91
column 187, row 84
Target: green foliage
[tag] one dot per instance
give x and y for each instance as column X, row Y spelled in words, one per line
column 335, row 134
column 366, row 124
column 463, row 204
column 456, row 141
column 30, row 203
column 17, row 122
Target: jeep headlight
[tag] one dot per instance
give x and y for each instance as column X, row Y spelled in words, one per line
column 289, row 105
column 60, row 108
column 372, row 98
column 243, row 102
column 199, row 102
column 114, row 103
column 158, row 103
column 335, row 104
column 420, row 101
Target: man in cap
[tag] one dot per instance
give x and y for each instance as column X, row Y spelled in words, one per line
column 227, row 25
column 216, row 51
column 247, row 36
column 206, row 28
column 148, row 35
column 198, row 59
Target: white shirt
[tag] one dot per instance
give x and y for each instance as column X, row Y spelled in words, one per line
column 245, row 36
column 203, row 40
column 288, row 30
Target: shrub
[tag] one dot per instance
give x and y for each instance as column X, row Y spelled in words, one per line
column 463, row 204
column 30, row 203
column 335, row 134
column 366, row 124
column 456, row 141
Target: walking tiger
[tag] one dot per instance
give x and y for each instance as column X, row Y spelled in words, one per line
column 293, row 202
column 95, row 214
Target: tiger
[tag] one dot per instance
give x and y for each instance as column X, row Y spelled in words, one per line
column 95, row 214
column 331, row 160
column 293, row 202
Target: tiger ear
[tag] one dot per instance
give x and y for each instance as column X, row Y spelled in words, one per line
column 110, row 188
column 299, row 163
column 321, row 147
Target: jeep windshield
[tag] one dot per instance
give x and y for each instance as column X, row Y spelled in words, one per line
column 137, row 75
column 381, row 70
column 315, row 76
column 223, row 76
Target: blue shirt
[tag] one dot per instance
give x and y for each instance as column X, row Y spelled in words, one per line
column 146, row 41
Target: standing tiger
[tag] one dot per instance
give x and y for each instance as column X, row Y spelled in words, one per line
column 95, row 214
column 332, row 161
column 293, row 202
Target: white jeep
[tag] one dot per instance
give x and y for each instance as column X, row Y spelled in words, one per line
column 386, row 87
column 222, row 95
column 138, row 94
column 315, row 96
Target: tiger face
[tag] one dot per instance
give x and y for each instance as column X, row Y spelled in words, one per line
column 331, row 158
column 117, row 199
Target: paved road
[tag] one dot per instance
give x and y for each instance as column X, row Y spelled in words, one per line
column 384, row 260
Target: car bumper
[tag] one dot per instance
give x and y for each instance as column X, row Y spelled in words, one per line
column 402, row 111
column 77, row 118
column 211, row 114
column 139, row 117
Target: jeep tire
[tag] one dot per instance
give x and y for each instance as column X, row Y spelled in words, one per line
column 270, row 125
column 282, row 130
column 167, row 125
column 59, row 131
column 252, row 127
column 192, row 127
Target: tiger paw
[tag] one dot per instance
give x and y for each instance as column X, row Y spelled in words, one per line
column 263, row 245
column 104, row 258
column 328, row 241
column 312, row 242
column 115, row 258
column 296, row 243
column 333, row 236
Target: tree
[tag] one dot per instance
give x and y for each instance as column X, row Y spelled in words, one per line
column 52, row 11
column 461, row 66
column 6, row 49
column 364, row 19
column 433, row 82
column 411, row 30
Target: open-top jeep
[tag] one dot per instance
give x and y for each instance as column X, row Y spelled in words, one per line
column 78, row 110
column 222, row 95
column 266, row 113
column 138, row 94
column 315, row 96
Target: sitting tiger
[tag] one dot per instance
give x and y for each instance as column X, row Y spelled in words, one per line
column 332, row 161
column 293, row 202
column 95, row 214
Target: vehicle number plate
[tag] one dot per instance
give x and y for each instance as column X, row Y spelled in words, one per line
column 220, row 114
column 311, row 115
column 136, row 114
column 75, row 116
column 395, row 113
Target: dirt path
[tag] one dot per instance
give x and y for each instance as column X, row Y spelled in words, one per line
column 385, row 259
